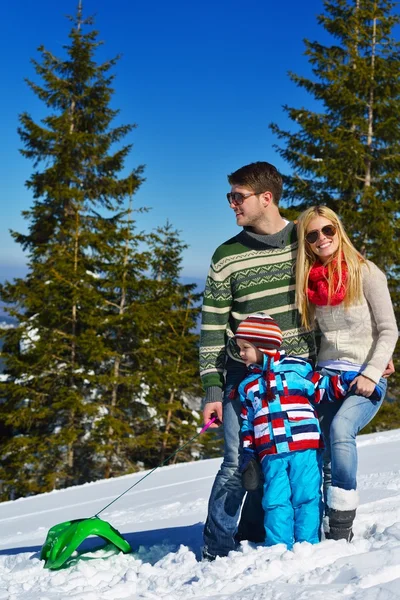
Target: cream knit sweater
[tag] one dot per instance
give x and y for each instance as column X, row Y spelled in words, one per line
column 364, row 334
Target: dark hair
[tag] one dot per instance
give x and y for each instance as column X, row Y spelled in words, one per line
column 259, row 177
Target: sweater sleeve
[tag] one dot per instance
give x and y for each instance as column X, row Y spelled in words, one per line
column 217, row 302
column 325, row 387
column 377, row 295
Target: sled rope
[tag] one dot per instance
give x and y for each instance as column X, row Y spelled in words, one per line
column 206, row 426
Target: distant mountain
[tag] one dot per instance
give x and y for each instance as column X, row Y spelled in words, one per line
column 200, row 283
column 10, row 272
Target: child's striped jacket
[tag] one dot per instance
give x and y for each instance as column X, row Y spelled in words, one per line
column 286, row 421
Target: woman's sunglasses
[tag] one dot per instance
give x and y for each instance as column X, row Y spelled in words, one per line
column 327, row 230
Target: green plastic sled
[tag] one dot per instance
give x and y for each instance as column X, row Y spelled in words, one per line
column 63, row 539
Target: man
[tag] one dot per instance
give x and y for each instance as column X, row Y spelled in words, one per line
column 251, row 272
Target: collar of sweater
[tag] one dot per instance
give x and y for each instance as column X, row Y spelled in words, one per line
column 274, row 240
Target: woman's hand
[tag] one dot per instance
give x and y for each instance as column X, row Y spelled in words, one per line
column 362, row 386
column 389, row 369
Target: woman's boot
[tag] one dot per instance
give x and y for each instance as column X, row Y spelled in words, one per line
column 342, row 506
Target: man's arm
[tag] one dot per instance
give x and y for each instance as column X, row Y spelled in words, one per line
column 217, row 302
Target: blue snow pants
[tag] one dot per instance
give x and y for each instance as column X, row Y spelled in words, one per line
column 292, row 498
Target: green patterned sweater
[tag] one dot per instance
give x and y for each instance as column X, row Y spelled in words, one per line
column 249, row 273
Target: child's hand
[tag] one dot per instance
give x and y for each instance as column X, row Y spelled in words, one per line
column 245, row 460
column 250, row 470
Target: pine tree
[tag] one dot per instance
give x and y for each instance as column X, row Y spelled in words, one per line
column 124, row 289
column 170, row 351
column 347, row 154
column 55, row 354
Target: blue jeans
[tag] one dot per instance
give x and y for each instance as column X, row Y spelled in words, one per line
column 227, row 492
column 340, row 423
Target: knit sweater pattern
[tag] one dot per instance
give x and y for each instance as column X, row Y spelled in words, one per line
column 249, row 274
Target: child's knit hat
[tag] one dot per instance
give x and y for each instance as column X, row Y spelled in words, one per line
column 262, row 331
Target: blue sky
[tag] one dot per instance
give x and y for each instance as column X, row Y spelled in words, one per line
column 202, row 81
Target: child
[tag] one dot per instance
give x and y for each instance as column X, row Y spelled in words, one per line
column 281, row 429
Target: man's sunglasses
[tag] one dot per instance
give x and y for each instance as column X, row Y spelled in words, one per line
column 328, row 230
column 237, row 198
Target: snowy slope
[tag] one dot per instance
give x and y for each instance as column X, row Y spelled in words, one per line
column 162, row 519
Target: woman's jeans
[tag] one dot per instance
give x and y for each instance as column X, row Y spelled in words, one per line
column 227, row 493
column 340, row 422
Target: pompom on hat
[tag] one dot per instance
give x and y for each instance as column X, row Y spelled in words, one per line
column 262, row 331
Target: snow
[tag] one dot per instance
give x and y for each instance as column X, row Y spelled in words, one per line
column 162, row 518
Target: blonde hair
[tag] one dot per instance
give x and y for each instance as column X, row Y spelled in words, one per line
column 306, row 259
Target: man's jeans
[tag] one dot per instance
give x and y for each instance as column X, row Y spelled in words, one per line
column 340, row 424
column 227, row 492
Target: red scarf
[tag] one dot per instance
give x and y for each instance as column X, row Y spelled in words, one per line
column 318, row 287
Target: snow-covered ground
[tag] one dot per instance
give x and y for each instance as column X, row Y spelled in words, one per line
column 162, row 518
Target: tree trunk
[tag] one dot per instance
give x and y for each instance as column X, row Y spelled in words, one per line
column 117, row 363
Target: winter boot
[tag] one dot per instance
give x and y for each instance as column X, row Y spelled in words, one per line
column 205, row 555
column 251, row 524
column 342, row 511
column 340, row 524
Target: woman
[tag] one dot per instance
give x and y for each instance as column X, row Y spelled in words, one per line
column 347, row 297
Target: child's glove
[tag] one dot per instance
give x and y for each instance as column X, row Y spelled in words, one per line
column 250, row 470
